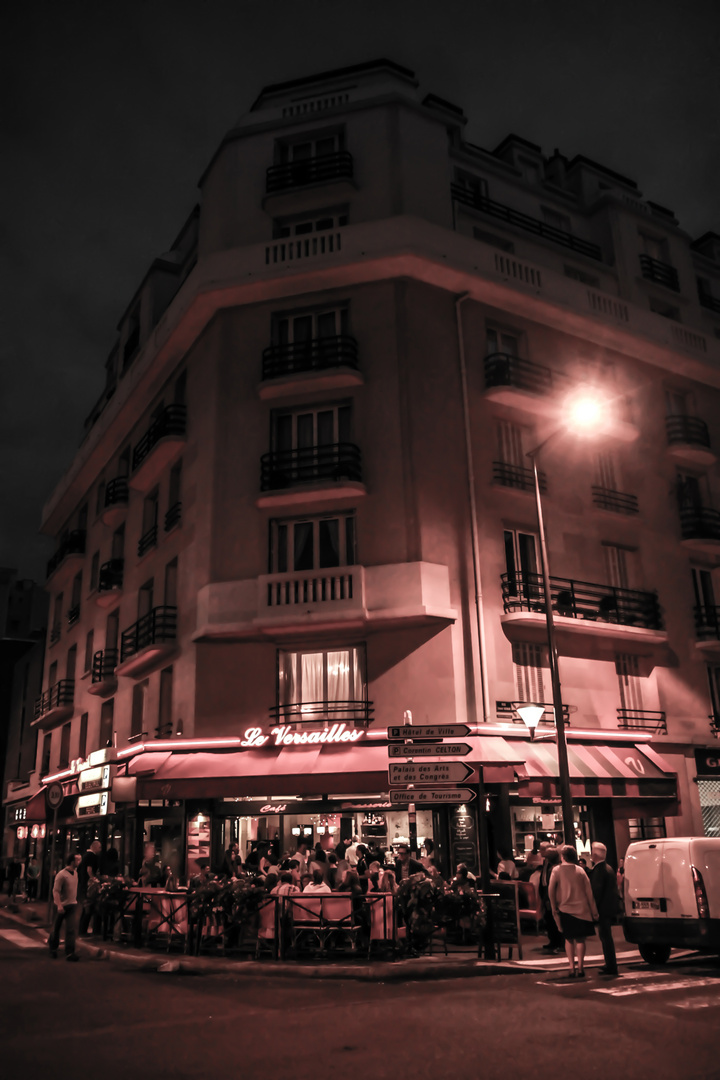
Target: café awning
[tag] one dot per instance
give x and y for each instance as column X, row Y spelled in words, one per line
column 288, row 771
column 599, row 770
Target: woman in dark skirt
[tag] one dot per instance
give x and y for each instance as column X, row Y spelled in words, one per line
column 573, row 908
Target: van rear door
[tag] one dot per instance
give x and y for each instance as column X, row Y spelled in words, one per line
column 678, row 889
column 644, row 893
column 706, row 859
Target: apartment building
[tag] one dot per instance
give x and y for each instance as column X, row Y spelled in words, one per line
column 303, row 506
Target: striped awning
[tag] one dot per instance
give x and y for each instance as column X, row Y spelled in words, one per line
column 600, row 770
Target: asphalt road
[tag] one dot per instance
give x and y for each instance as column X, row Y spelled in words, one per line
column 61, row 1020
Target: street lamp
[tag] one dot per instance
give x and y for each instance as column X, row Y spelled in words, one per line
column 585, row 415
column 531, row 714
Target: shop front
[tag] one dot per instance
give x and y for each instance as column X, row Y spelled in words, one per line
column 707, row 764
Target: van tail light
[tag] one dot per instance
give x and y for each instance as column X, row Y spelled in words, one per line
column 700, row 894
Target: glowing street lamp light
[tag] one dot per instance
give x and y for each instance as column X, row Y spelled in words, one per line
column 531, row 716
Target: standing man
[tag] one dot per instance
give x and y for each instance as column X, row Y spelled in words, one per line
column 65, row 896
column 603, row 881
column 551, row 859
column 89, row 871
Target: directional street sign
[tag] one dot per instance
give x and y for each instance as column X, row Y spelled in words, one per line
column 429, row 772
column 425, row 796
column 436, row 749
column 428, row 731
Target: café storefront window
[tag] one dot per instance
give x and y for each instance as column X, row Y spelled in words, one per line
column 541, row 822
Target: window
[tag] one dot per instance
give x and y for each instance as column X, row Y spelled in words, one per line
column 82, row 745
column 521, row 565
column 493, row 240
column 174, row 486
column 529, row 664
column 692, row 491
column 138, row 709
column 655, row 247
column 302, row 328
column 82, row 518
column 117, row 550
column 678, row 402
column 324, row 425
column 124, row 462
column 88, row 661
column 713, row 671
column 555, row 219
column 530, row 171
column 145, row 598
column 94, row 571
column 71, row 662
column 312, row 543
column 180, row 389
column 475, row 186
column 111, row 630
column 74, row 610
column 627, row 669
column 165, row 725
column 703, row 588
column 326, row 685
column 170, row 593
column 312, row 146
column 510, row 444
column 605, row 472
column 64, row 746
column 107, row 713
column 668, row 311
column 57, row 618
column 46, row 750
column 100, row 500
column 498, row 341
column 308, row 223
column 651, row 828
column 52, row 674
column 148, row 536
column 620, row 566
column 132, row 339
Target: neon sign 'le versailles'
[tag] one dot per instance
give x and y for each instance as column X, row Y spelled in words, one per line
column 285, row 736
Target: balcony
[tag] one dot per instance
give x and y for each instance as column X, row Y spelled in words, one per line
column 110, row 582
column 589, row 618
column 148, row 641
column 116, row 501
column 73, row 615
column 104, row 681
column 358, row 713
column 642, row 720
column 319, row 364
column 521, row 384
column 514, row 476
column 55, row 704
column 173, row 516
column 321, row 169
column 700, row 528
column 617, row 502
column 367, row 599
column 70, row 551
column 689, row 440
column 159, row 447
column 147, row 541
column 659, row 272
column 314, row 473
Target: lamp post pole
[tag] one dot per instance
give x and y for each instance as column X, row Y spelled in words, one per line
column 563, row 769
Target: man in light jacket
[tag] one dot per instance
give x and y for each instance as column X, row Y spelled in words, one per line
column 65, row 897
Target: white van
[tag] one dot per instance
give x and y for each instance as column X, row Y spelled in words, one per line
column 672, row 896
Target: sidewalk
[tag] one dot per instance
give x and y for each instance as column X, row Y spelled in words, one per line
column 461, row 962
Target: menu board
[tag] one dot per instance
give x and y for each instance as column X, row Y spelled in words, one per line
column 463, row 838
column 198, row 843
column 506, row 913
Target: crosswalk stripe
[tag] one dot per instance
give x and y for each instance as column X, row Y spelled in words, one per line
column 20, row 939
column 650, row 988
column 696, row 1003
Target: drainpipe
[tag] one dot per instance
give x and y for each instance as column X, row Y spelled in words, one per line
column 479, row 660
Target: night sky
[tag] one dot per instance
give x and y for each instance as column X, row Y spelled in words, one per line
column 112, row 111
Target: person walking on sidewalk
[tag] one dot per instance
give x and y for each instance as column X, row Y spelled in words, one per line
column 551, row 859
column 65, row 897
column 573, row 908
column 603, row 882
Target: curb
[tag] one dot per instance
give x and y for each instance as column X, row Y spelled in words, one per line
column 378, row 971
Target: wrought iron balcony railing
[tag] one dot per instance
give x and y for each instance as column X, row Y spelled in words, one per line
column 690, row 430
column 582, row 600
column 172, row 421
column 286, row 468
column 642, row 720
column 707, row 621
column 314, row 170
column 104, row 664
column 173, row 516
column 159, row 626
column 318, row 712
column 318, row 354
column 514, row 476
column 502, row 369
column 699, row 523
column 617, row 501
column 147, row 540
column 111, row 575
column 660, row 272
column 513, row 217
column 116, row 492
column 507, row 711
column 58, row 696
column 73, row 544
